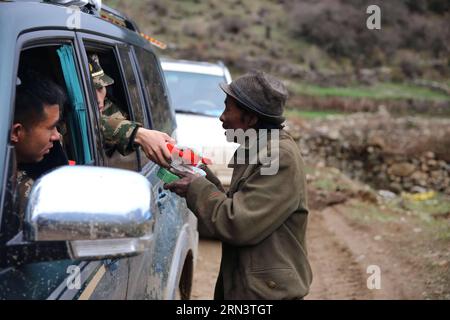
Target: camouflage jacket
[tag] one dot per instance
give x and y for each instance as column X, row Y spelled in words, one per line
column 24, row 185
column 118, row 132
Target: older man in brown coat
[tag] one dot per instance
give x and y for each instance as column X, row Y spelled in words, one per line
column 262, row 219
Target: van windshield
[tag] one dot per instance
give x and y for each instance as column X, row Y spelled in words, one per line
column 195, row 92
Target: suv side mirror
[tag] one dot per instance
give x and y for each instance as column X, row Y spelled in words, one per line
column 100, row 212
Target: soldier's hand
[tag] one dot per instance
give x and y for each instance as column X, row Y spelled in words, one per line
column 180, row 187
column 153, row 143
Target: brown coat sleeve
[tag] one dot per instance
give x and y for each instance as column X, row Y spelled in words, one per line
column 203, row 230
column 212, row 177
column 258, row 208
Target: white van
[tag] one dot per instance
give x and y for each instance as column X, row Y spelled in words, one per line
column 198, row 102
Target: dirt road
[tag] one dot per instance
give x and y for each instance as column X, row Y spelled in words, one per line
column 207, row 268
column 340, row 253
column 341, row 256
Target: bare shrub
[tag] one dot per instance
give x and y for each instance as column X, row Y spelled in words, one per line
column 409, row 63
column 233, row 24
column 339, row 27
column 196, row 28
column 157, row 8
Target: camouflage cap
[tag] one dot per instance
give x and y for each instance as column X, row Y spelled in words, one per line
column 99, row 77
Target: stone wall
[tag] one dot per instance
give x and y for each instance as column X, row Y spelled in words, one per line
column 398, row 154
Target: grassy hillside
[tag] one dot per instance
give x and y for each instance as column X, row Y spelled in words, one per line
column 323, row 47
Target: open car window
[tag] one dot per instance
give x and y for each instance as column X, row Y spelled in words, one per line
column 117, row 114
column 50, row 62
column 42, row 60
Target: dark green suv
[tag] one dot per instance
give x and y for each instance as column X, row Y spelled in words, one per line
column 103, row 228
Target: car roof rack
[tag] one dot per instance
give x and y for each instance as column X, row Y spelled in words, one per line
column 95, row 7
column 114, row 16
column 104, row 12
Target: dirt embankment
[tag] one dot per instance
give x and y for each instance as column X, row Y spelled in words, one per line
column 397, row 154
column 398, row 107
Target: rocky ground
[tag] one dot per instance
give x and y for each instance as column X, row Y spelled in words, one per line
column 353, row 227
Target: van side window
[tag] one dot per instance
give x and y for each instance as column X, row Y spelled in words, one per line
column 162, row 116
column 134, row 92
column 116, row 118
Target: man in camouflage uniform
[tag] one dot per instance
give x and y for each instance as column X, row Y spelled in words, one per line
column 34, row 130
column 119, row 133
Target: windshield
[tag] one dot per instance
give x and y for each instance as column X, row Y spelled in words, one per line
column 195, row 92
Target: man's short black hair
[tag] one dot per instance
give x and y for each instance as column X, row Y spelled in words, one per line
column 32, row 95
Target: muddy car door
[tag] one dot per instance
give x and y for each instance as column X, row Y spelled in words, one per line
column 176, row 236
column 63, row 279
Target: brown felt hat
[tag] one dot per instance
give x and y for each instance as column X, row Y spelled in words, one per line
column 260, row 93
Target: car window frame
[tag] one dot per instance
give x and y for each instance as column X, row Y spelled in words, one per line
column 43, row 38
column 134, row 68
column 87, row 40
column 142, row 159
column 26, row 41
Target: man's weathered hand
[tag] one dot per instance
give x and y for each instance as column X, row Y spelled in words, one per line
column 180, row 187
column 153, row 144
